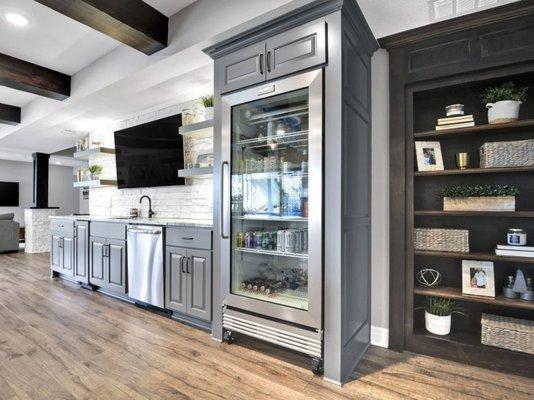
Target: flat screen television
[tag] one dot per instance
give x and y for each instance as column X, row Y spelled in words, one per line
column 150, row 155
column 9, row 194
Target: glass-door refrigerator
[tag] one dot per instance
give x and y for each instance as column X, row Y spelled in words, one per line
column 272, row 212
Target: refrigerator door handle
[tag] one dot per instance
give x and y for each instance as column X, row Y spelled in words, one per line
column 224, row 207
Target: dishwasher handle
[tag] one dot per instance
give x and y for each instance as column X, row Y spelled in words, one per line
column 146, row 231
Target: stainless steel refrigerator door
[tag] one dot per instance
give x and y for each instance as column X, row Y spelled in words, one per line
column 313, row 82
column 145, row 265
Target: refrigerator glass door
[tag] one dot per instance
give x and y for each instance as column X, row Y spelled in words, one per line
column 276, row 199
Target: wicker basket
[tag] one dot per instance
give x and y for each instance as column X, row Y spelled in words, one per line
column 508, row 333
column 453, row 240
column 519, row 153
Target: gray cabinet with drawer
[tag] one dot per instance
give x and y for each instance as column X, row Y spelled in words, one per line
column 62, row 247
column 291, row 51
column 107, row 256
column 188, row 272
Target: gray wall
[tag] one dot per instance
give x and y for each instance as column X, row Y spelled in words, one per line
column 380, row 198
column 60, row 192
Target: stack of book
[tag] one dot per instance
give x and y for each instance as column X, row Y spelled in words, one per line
column 460, row 121
column 514, row 251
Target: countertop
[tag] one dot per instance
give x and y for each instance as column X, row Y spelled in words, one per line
column 170, row 222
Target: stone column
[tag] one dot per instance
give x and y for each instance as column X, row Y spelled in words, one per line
column 38, row 229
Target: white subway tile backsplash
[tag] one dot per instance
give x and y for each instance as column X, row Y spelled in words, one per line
column 193, row 200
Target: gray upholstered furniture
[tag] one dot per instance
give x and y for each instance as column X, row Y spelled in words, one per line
column 9, row 233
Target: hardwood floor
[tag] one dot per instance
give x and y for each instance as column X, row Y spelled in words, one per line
column 58, row 341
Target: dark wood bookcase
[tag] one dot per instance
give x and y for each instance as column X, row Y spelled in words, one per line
column 446, row 63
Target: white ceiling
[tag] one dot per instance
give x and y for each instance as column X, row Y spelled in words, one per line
column 169, row 7
column 57, row 42
column 51, row 39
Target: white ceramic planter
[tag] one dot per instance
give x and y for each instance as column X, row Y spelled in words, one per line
column 208, row 113
column 487, row 203
column 437, row 325
column 503, row 111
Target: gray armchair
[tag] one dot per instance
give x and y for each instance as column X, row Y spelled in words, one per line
column 9, row 233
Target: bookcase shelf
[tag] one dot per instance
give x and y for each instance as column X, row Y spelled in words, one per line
column 425, row 82
column 486, row 129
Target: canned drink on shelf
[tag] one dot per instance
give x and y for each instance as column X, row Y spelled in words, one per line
column 280, row 240
column 239, row 240
column 258, row 240
column 248, row 240
column 305, row 240
column 290, row 241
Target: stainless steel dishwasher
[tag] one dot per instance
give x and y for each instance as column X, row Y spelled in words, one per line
column 145, row 265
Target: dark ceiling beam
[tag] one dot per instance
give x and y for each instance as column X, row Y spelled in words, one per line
column 132, row 22
column 9, row 115
column 28, row 77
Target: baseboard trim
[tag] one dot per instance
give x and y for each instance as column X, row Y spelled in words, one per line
column 379, row 336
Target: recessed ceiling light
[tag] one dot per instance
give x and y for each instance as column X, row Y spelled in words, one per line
column 16, row 18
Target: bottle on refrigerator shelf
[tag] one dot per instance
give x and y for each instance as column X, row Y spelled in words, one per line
column 239, row 240
column 304, row 162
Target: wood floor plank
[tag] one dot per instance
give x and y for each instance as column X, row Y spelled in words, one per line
column 58, row 341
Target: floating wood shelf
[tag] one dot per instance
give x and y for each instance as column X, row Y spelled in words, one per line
column 198, row 129
column 474, row 256
column 456, row 294
column 195, row 172
column 470, row 171
column 499, row 214
column 96, row 152
column 95, row 183
column 519, row 126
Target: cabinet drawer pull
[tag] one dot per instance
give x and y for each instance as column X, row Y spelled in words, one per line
column 188, row 238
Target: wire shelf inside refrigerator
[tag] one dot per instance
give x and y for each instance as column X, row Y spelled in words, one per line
column 297, row 298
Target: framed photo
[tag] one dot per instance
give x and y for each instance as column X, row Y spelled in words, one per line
column 429, row 156
column 478, row 278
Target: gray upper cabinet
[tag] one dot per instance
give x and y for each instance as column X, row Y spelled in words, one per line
column 291, row 51
column 296, row 50
column 242, row 68
column 97, row 256
column 176, row 279
column 81, row 251
column 116, row 266
column 199, row 283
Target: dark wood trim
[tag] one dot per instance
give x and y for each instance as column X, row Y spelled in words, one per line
column 519, row 126
column 132, row 22
column 28, row 77
column 469, row 21
column 474, row 171
column 456, row 294
column 474, row 256
column 497, row 214
column 9, row 115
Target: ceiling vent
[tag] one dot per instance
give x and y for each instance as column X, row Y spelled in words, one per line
column 444, row 9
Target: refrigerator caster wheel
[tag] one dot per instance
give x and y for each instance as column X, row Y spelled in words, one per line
column 229, row 337
column 316, row 366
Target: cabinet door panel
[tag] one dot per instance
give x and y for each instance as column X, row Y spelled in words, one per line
column 81, row 263
column 242, row 68
column 199, row 284
column 97, row 261
column 116, row 266
column 68, row 256
column 296, row 50
column 175, row 279
column 55, row 254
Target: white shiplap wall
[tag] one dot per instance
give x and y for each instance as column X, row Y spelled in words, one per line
column 192, row 201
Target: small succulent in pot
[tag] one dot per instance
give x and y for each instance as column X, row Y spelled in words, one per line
column 503, row 102
column 438, row 312
column 95, row 171
column 207, row 102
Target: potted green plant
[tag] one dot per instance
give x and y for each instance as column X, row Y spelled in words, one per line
column 438, row 312
column 503, row 102
column 95, row 171
column 207, row 102
column 479, row 198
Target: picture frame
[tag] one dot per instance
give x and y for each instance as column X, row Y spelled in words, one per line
column 429, row 157
column 478, row 278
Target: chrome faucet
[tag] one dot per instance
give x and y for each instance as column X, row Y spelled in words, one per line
column 150, row 212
